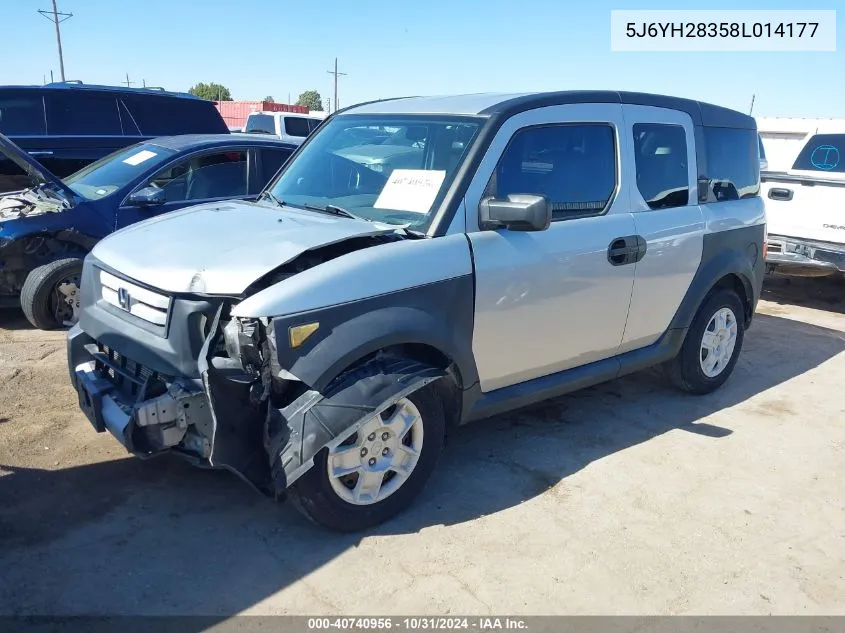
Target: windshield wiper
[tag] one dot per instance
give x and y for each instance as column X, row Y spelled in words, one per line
column 272, row 196
column 333, row 210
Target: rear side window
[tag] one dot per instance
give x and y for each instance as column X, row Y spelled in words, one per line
column 21, row 114
column 271, row 162
column 74, row 113
column 733, row 163
column 313, row 123
column 260, row 123
column 573, row 166
column 161, row 116
column 662, row 164
column 823, row 152
column 297, row 126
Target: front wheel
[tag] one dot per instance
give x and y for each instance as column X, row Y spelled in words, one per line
column 378, row 471
column 50, row 294
column 712, row 345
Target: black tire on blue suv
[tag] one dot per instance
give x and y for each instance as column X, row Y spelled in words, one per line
column 697, row 369
column 40, row 295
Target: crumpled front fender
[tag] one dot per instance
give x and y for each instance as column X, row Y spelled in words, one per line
column 295, row 434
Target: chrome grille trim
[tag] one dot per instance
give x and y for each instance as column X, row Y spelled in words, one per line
column 145, row 304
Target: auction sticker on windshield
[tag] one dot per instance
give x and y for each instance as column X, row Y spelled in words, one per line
column 140, row 157
column 412, row 190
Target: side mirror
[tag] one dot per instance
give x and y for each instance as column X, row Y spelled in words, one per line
column 147, row 197
column 519, row 212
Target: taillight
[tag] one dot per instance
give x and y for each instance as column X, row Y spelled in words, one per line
column 765, row 249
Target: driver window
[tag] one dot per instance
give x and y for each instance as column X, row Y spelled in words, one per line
column 572, row 165
column 216, row 175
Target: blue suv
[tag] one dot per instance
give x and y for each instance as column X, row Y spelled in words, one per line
column 47, row 229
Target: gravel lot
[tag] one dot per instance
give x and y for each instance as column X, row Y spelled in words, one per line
column 625, row 498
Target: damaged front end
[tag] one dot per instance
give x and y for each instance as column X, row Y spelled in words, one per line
column 220, row 389
column 268, row 424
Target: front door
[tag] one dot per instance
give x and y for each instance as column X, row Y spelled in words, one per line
column 555, row 299
column 198, row 178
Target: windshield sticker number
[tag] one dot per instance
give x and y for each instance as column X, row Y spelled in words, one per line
column 140, row 157
column 412, row 190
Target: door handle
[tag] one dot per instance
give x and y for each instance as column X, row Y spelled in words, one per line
column 626, row 250
column 780, row 193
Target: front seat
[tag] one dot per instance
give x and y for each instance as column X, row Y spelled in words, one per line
column 218, row 181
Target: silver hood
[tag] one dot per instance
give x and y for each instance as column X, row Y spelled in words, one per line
column 222, row 248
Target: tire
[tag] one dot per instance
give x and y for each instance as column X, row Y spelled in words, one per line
column 687, row 370
column 40, row 300
column 315, row 495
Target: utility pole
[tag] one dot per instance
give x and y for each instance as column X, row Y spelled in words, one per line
column 751, row 109
column 335, row 73
column 127, row 82
column 57, row 17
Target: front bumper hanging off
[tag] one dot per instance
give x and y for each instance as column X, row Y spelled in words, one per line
column 217, row 422
column 147, row 413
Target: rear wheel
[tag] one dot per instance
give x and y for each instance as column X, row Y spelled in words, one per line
column 378, row 471
column 712, row 345
column 50, row 294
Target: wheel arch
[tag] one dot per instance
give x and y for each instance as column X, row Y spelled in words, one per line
column 729, row 268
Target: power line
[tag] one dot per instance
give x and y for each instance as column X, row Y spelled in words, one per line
column 335, row 73
column 57, row 17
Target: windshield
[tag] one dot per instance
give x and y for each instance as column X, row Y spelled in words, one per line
column 823, row 152
column 116, row 170
column 389, row 169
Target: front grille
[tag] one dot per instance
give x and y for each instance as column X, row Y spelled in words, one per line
column 774, row 247
column 147, row 305
column 133, row 380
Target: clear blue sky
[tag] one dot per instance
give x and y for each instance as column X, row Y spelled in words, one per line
column 391, row 48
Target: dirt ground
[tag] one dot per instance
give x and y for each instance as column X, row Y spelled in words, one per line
column 627, row 498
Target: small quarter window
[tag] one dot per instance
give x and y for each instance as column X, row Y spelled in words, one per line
column 733, row 163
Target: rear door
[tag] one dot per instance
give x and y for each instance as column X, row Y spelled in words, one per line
column 664, row 205
column 552, row 300
column 200, row 177
column 270, row 160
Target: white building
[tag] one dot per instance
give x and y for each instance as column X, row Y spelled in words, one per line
column 783, row 137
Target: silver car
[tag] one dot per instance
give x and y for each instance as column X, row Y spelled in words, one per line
column 321, row 341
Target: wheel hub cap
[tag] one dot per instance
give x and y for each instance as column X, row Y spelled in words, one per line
column 67, row 308
column 374, row 462
column 718, row 342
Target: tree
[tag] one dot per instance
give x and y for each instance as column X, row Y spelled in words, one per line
column 311, row 99
column 269, row 99
column 211, row 91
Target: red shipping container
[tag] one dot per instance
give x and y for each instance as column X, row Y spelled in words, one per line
column 234, row 113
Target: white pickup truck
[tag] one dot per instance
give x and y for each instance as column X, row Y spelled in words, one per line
column 805, row 209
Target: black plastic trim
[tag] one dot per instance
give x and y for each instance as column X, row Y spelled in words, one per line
column 439, row 315
column 736, row 252
column 478, row 405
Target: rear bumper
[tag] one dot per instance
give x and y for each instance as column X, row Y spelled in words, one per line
column 799, row 257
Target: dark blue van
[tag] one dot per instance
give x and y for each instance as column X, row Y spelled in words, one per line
column 68, row 125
